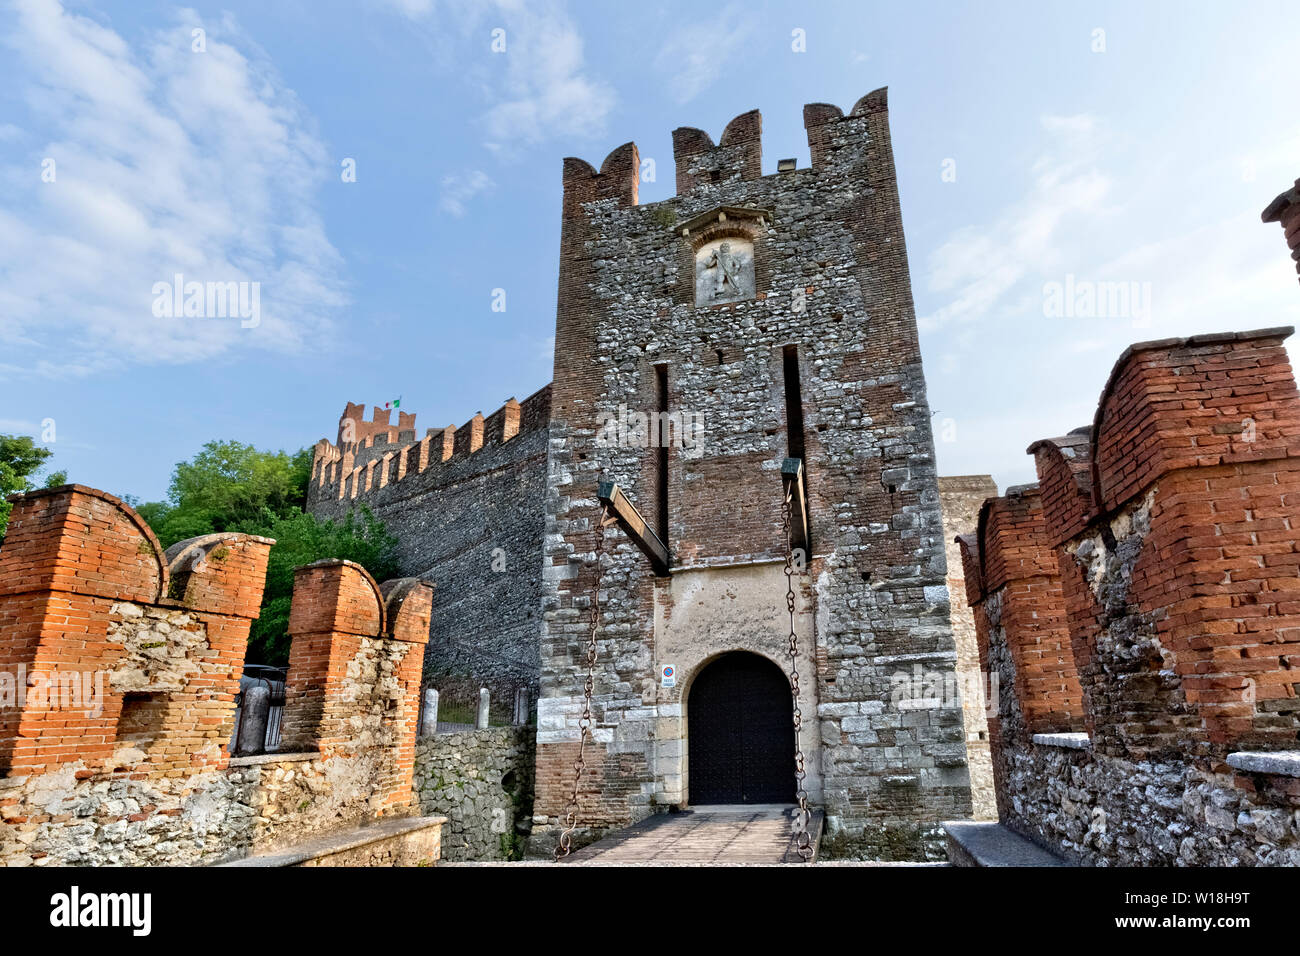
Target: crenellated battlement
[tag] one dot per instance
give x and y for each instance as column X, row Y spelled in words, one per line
column 355, row 430
column 736, row 156
column 1146, row 584
column 383, row 454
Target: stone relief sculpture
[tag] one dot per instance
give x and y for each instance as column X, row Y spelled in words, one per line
column 724, row 272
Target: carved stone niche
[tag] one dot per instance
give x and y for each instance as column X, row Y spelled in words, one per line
column 722, row 242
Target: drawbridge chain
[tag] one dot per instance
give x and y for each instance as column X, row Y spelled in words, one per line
column 802, row 836
column 565, row 846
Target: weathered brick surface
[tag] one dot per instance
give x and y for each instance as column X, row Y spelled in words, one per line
column 1171, row 527
column 830, row 276
column 1065, row 482
column 127, row 761
column 1185, row 403
column 90, row 605
column 1020, row 623
column 1018, row 564
column 354, row 672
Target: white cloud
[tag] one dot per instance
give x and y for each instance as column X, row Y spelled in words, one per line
column 696, row 54
column 1098, row 208
column 979, row 266
column 415, row 9
column 166, row 161
column 538, row 88
column 458, row 189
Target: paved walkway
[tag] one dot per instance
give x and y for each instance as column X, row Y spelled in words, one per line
column 731, row 834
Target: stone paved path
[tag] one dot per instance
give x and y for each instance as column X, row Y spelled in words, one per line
column 740, row 834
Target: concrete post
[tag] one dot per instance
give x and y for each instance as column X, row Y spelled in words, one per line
column 482, row 722
column 429, row 723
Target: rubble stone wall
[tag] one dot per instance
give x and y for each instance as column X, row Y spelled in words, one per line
column 482, row 782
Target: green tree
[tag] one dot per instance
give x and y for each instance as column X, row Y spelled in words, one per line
column 226, row 484
column 20, row 459
column 231, row 486
column 301, row 539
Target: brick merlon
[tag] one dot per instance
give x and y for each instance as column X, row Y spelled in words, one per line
column 1075, row 444
column 67, row 491
column 1168, row 345
column 1210, row 338
column 1275, row 210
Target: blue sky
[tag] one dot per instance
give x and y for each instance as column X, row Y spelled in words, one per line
column 1145, row 163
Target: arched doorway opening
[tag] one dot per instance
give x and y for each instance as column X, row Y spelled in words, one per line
column 741, row 735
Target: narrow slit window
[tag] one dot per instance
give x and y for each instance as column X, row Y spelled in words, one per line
column 793, row 405
column 794, row 433
column 663, row 437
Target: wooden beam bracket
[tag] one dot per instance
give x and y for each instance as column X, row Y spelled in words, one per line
column 792, row 485
column 634, row 526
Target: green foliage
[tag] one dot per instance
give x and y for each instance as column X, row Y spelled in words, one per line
column 301, row 539
column 512, row 846
column 226, row 484
column 20, row 458
column 665, row 216
column 230, row 486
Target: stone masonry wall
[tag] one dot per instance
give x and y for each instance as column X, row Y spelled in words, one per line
column 118, row 669
column 960, row 498
column 256, row 804
column 465, row 505
column 1171, row 523
column 482, row 782
column 823, row 252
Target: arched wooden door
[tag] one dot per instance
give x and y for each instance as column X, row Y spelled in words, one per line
column 741, row 735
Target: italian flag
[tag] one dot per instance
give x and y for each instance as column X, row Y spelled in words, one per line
column 395, row 403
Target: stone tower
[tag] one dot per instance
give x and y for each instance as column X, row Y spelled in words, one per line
column 700, row 341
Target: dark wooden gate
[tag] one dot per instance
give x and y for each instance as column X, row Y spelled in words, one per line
column 741, row 747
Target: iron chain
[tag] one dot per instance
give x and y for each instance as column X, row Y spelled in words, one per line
column 565, row 846
column 802, row 836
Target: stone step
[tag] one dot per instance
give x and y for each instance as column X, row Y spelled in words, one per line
column 972, row 843
column 402, row 841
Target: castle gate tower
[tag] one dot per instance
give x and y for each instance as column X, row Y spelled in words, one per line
column 700, row 343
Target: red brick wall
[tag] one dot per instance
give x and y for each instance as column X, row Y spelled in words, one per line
column 1285, row 209
column 1018, row 564
column 408, row 607
column 608, row 783
column 347, row 634
column 78, row 570
column 1065, row 481
column 1187, row 641
column 1186, row 403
